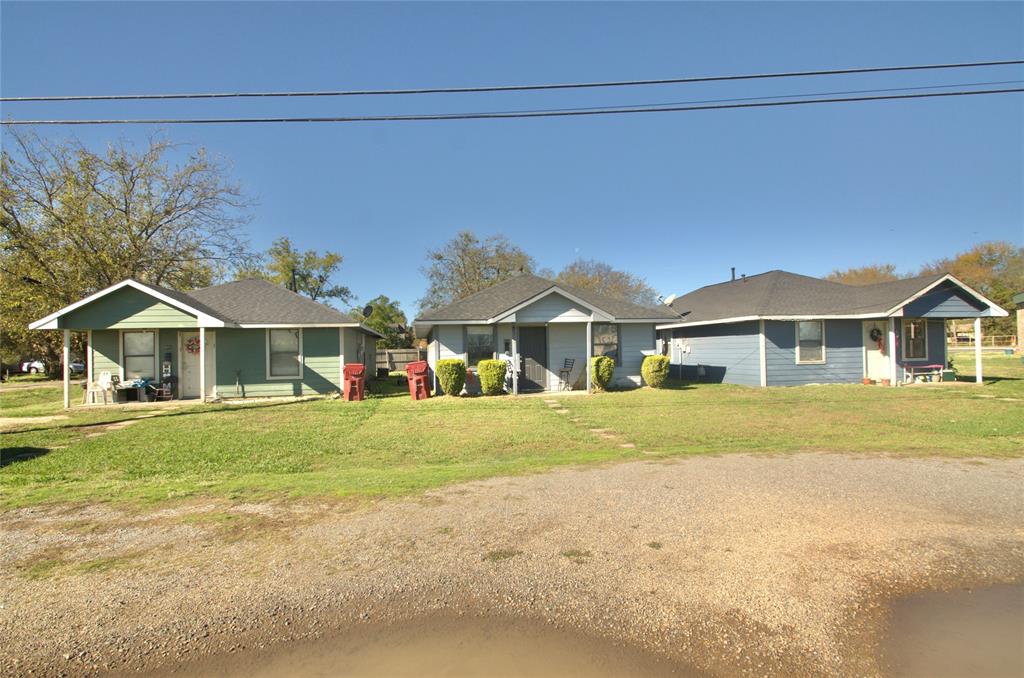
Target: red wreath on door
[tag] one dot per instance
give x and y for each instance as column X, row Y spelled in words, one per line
column 192, row 345
column 879, row 339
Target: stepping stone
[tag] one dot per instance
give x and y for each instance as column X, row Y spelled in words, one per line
column 562, row 411
column 627, row 445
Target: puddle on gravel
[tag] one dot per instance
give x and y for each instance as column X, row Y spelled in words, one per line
column 446, row 647
column 973, row 633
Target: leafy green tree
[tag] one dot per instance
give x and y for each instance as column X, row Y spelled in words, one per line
column 74, row 220
column 387, row 318
column 597, row 276
column 309, row 273
column 465, row 265
column 865, row 275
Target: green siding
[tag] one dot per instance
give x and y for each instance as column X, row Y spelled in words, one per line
column 370, row 355
column 242, row 364
column 127, row 308
column 106, row 352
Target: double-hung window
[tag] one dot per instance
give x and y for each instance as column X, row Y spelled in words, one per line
column 810, row 341
column 915, row 339
column 284, row 354
column 139, row 355
column 479, row 344
column 606, row 341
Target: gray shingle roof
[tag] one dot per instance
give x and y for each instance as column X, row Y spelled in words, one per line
column 258, row 301
column 502, row 296
column 780, row 293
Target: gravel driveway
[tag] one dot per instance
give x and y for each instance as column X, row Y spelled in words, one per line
column 738, row 564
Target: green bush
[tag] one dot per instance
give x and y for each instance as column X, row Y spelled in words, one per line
column 492, row 376
column 601, row 369
column 655, row 370
column 451, row 375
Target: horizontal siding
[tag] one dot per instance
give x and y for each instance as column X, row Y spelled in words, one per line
column 552, row 308
column 242, row 364
column 730, row 353
column 844, row 354
column 945, row 301
column 127, row 308
column 634, row 340
column 106, row 353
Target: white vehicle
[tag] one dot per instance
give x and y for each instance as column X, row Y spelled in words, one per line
column 33, row 366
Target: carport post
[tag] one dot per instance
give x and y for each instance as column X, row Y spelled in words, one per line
column 67, row 369
column 590, row 350
column 515, row 360
column 977, row 350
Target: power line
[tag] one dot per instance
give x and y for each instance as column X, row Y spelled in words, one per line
column 500, row 115
column 517, row 88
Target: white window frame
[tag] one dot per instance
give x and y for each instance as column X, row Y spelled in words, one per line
column 123, row 357
column 301, row 357
column 796, row 332
column 906, row 333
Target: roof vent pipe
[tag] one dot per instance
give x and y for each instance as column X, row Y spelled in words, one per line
column 733, row 269
column 744, row 276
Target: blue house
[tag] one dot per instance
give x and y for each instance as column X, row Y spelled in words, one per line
column 783, row 329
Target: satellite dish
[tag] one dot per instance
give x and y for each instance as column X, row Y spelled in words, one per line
column 669, row 299
column 367, row 311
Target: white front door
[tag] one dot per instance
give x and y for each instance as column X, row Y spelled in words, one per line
column 189, row 356
column 876, row 358
column 188, row 360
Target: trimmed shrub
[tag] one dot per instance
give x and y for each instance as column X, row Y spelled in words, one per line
column 655, row 370
column 492, row 376
column 601, row 369
column 451, row 375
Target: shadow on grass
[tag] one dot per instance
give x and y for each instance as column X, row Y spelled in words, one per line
column 156, row 414
column 13, row 455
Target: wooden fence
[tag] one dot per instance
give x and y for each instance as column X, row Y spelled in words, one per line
column 397, row 358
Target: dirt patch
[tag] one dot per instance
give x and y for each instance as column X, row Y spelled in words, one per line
column 738, row 565
column 17, row 422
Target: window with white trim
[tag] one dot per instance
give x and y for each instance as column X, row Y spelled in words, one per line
column 479, row 344
column 284, row 354
column 606, row 341
column 139, row 355
column 810, row 341
column 915, row 339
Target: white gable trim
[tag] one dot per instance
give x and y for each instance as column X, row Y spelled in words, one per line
column 598, row 313
column 202, row 319
column 996, row 310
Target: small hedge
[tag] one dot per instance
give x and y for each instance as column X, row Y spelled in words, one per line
column 492, row 376
column 655, row 370
column 601, row 369
column 451, row 375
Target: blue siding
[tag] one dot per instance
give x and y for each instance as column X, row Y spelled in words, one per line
column 945, row 301
column 936, row 344
column 730, row 353
column 844, row 354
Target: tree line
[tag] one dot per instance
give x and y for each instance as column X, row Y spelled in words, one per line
column 74, row 220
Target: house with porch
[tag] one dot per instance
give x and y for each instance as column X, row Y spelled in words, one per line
column 780, row 329
column 549, row 330
column 240, row 339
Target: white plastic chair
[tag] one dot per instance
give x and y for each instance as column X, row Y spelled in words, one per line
column 104, row 385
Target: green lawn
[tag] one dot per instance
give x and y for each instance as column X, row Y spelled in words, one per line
column 390, row 445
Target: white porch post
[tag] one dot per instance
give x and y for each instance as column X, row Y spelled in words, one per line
column 977, row 350
column 515, row 359
column 892, row 352
column 590, row 351
column 202, row 364
column 67, row 369
column 763, row 350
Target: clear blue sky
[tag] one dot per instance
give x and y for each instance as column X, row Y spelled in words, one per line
column 678, row 198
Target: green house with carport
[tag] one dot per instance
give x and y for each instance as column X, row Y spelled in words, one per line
column 247, row 338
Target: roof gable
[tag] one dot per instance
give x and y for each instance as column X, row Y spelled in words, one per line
column 500, row 299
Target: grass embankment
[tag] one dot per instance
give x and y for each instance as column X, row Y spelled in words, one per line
column 388, row 446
